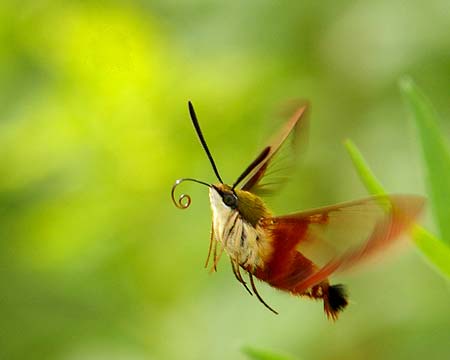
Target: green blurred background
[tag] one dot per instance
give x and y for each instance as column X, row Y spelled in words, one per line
column 97, row 263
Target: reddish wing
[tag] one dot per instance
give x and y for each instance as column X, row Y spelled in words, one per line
column 345, row 233
column 258, row 169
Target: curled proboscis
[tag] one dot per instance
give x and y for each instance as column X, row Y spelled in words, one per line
column 184, row 201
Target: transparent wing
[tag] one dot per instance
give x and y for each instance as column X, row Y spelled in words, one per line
column 335, row 237
column 271, row 167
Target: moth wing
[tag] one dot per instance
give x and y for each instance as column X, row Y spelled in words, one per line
column 309, row 246
column 264, row 166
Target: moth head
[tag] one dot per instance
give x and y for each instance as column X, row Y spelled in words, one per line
column 223, row 193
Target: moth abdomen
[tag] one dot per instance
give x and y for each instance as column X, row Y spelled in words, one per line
column 335, row 299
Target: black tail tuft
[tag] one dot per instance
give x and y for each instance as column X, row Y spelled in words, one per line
column 335, row 300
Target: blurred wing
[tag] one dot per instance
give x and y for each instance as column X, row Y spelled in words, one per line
column 264, row 166
column 334, row 238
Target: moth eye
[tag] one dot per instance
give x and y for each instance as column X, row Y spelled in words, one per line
column 230, row 200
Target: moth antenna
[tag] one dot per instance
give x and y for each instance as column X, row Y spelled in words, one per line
column 184, row 201
column 259, row 296
column 202, row 139
column 238, row 276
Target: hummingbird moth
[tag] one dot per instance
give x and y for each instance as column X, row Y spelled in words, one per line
column 296, row 253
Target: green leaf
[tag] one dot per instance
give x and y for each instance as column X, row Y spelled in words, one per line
column 434, row 250
column 365, row 173
column 436, row 154
column 258, row 354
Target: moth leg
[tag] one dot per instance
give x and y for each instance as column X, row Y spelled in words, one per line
column 213, row 267
column 211, row 241
column 238, row 276
column 257, row 294
column 242, row 280
column 217, row 256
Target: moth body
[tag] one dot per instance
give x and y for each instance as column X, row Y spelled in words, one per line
column 241, row 224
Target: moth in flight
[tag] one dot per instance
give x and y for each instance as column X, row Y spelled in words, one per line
column 298, row 252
